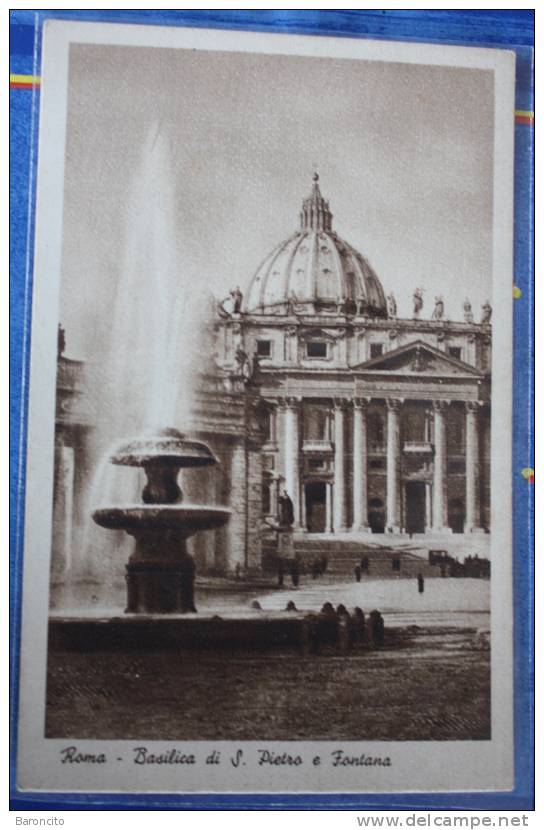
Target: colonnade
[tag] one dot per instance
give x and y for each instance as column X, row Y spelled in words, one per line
column 336, row 492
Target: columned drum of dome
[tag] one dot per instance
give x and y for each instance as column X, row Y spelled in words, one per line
column 316, row 270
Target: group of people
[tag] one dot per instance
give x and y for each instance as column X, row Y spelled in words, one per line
column 295, row 567
column 354, row 628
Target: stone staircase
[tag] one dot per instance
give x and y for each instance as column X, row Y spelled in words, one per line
column 343, row 555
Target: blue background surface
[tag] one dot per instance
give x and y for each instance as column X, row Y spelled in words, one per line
column 512, row 29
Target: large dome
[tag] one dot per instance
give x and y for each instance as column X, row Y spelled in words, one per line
column 316, row 270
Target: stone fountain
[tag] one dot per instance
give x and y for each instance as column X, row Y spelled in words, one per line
column 160, row 572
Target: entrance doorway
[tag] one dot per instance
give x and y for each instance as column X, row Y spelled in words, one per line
column 316, row 506
column 415, row 507
column 456, row 515
column 376, row 516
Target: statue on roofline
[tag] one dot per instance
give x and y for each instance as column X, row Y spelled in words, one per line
column 438, row 312
column 418, row 301
column 467, row 311
column 486, row 312
column 391, row 305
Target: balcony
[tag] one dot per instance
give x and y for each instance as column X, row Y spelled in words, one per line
column 418, row 448
column 317, row 445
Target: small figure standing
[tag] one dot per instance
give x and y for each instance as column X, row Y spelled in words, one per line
column 420, row 583
column 467, row 311
column 391, row 305
column 365, row 564
column 357, row 573
column 418, row 301
column 287, row 511
column 486, row 312
column 438, row 312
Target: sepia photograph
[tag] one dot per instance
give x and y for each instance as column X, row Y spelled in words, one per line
column 270, row 419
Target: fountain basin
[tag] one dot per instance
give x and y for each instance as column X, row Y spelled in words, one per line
column 185, row 518
column 169, row 448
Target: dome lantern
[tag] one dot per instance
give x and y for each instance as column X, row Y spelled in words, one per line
column 315, row 213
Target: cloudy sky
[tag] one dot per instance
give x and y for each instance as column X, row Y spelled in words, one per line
column 404, row 154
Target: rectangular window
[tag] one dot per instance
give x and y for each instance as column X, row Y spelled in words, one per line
column 315, row 424
column 316, row 348
column 266, row 500
column 376, row 349
column 264, row 348
column 455, row 351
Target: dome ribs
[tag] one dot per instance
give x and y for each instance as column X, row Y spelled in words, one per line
column 316, row 267
column 289, row 267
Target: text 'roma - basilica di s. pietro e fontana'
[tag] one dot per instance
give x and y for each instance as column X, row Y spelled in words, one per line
column 377, row 427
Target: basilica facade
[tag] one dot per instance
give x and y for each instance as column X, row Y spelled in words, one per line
column 372, row 424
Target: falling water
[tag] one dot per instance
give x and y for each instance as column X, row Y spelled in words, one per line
column 155, row 339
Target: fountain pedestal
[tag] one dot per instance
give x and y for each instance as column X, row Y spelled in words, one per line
column 160, row 573
column 161, row 587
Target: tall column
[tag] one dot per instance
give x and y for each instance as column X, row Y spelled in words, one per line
column 428, row 512
column 439, row 468
column 62, row 509
column 292, row 449
column 472, row 516
column 393, row 450
column 360, row 488
column 273, row 436
column 274, row 496
column 339, row 505
column 237, row 526
column 328, row 507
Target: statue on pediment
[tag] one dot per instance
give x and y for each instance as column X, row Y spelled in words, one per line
column 438, row 312
column 467, row 311
column 418, row 301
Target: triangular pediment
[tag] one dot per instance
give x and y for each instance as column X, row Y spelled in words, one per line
column 418, row 358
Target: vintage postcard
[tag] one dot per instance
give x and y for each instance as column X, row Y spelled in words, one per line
column 268, row 513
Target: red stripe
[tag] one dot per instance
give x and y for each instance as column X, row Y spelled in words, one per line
column 525, row 119
column 19, row 85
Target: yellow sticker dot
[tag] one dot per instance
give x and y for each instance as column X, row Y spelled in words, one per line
column 517, row 292
column 528, row 474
